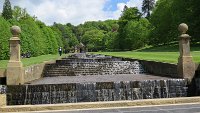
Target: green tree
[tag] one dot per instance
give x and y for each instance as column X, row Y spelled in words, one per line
column 110, row 41
column 136, row 33
column 93, row 39
column 147, row 7
column 162, row 20
column 4, row 37
column 128, row 14
column 7, row 11
column 58, row 36
column 19, row 13
column 48, row 37
column 31, row 37
column 68, row 36
column 166, row 17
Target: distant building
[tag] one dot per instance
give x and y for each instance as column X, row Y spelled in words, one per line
column 80, row 48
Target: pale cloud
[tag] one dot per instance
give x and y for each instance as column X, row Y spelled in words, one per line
column 71, row 11
column 120, row 6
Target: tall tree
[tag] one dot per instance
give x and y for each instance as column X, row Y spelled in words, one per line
column 147, row 7
column 20, row 13
column 7, row 11
column 128, row 14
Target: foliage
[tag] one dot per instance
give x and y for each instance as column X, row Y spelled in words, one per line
column 93, row 40
column 19, row 13
column 36, row 37
column 161, row 19
column 166, row 17
column 147, row 7
column 136, row 33
column 31, row 37
column 110, row 41
column 48, row 38
column 130, row 29
column 69, row 38
column 97, row 36
column 7, row 11
column 58, row 35
column 5, row 35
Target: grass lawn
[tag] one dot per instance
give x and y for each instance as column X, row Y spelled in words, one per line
column 33, row 60
column 167, row 54
column 169, row 57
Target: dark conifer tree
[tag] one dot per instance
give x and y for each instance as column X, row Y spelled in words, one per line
column 7, row 10
column 147, row 7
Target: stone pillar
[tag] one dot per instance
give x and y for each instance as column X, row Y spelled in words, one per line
column 15, row 74
column 186, row 67
column 2, row 100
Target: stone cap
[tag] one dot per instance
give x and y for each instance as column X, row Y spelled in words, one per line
column 183, row 28
column 15, row 30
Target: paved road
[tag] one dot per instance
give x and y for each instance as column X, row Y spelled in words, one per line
column 187, row 108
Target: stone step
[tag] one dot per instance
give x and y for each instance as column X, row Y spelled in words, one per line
column 91, row 66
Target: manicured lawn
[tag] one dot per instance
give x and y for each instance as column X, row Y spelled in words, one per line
column 167, row 54
column 169, row 57
column 33, row 60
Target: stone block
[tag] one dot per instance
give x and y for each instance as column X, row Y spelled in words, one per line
column 186, row 67
column 15, row 73
column 2, row 100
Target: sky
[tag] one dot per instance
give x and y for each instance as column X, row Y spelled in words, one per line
column 74, row 11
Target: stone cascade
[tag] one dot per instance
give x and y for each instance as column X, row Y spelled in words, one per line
column 92, row 66
column 97, row 91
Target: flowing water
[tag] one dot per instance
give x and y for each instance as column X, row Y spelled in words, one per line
column 99, row 91
column 94, row 65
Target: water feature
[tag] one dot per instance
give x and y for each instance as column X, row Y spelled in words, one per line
column 84, row 65
column 99, row 91
column 81, row 64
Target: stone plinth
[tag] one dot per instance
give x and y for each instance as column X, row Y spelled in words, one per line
column 186, row 66
column 2, row 100
column 15, row 74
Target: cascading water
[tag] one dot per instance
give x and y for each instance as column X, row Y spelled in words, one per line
column 99, row 91
column 84, row 65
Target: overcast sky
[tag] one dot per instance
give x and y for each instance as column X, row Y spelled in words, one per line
column 74, row 11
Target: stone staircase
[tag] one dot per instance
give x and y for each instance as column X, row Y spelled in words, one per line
column 92, row 65
column 92, row 78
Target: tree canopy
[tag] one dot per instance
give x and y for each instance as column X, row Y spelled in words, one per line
column 7, row 10
column 131, row 31
column 147, row 7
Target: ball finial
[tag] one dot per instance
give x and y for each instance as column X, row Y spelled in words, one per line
column 15, row 30
column 183, row 28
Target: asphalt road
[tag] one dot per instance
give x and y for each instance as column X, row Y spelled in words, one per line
column 186, row 108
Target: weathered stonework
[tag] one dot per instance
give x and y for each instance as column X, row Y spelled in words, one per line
column 186, row 67
column 2, row 100
column 15, row 67
column 33, row 72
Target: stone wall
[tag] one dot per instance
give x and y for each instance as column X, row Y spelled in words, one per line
column 161, row 69
column 2, row 76
column 2, row 72
column 33, row 72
